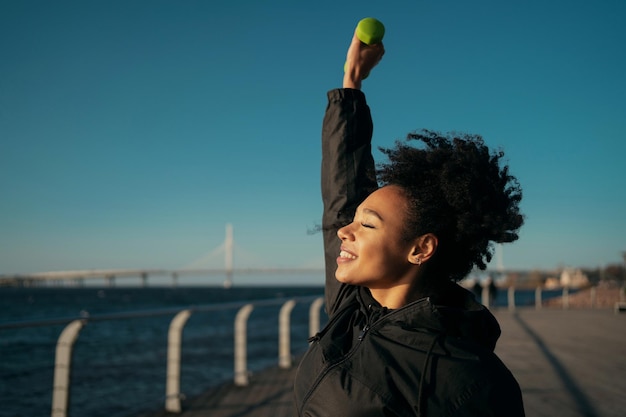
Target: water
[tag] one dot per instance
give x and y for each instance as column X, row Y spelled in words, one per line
column 119, row 366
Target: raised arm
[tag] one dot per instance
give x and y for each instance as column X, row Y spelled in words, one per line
column 348, row 174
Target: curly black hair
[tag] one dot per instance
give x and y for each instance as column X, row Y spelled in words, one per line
column 456, row 190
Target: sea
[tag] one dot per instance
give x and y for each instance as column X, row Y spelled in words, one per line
column 119, row 362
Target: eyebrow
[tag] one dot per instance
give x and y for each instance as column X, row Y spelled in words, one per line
column 373, row 213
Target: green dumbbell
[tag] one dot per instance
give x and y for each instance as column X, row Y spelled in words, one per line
column 369, row 31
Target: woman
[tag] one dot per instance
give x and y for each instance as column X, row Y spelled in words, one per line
column 403, row 339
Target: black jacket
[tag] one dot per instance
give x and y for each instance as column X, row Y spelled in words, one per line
column 432, row 357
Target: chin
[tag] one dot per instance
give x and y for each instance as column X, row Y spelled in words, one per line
column 347, row 279
column 343, row 278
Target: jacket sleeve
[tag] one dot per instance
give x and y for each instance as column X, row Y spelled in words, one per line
column 348, row 175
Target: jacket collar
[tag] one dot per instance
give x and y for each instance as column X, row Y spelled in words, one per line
column 452, row 311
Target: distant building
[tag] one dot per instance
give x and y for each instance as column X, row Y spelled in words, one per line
column 552, row 283
column 573, row 278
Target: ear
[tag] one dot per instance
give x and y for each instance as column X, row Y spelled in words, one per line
column 423, row 249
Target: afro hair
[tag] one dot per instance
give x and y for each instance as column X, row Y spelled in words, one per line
column 457, row 190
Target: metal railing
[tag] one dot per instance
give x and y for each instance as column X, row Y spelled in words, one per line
column 173, row 395
column 72, row 327
column 539, row 302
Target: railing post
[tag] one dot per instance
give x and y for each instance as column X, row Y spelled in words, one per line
column 538, row 302
column 593, row 297
column 314, row 316
column 174, row 341
column 284, row 336
column 485, row 296
column 241, row 371
column 511, row 298
column 565, row 298
column 62, row 367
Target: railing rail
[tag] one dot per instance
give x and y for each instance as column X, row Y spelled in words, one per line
column 487, row 300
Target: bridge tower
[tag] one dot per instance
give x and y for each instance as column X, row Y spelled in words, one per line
column 228, row 256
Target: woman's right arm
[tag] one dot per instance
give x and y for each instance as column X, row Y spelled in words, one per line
column 348, row 174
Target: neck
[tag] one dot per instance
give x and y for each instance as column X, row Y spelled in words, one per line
column 397, row 296
column 404, row 293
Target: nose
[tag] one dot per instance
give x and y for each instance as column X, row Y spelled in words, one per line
column 345, row 233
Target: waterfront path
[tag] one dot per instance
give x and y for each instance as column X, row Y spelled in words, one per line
column 569, row 363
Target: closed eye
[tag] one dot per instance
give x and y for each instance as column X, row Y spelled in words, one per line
column 369, row 226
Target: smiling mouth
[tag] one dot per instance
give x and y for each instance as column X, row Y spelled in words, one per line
column 346, row 255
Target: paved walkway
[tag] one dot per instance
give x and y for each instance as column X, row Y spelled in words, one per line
column 569, row 363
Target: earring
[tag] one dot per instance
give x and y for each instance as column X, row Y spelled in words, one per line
column 419, row 261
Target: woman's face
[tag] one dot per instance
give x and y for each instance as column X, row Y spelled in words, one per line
column 373, row 253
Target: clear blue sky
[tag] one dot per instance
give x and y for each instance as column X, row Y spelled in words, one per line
column 132, row 132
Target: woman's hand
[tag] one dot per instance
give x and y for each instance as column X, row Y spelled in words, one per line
column 360, row 60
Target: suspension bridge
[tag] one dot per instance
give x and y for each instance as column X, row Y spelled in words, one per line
column 224, row 252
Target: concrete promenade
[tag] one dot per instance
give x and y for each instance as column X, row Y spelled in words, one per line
column 569, row 363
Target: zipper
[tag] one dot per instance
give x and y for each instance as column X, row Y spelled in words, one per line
column 362, row 334
column 314, row 338
column 370, row 323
